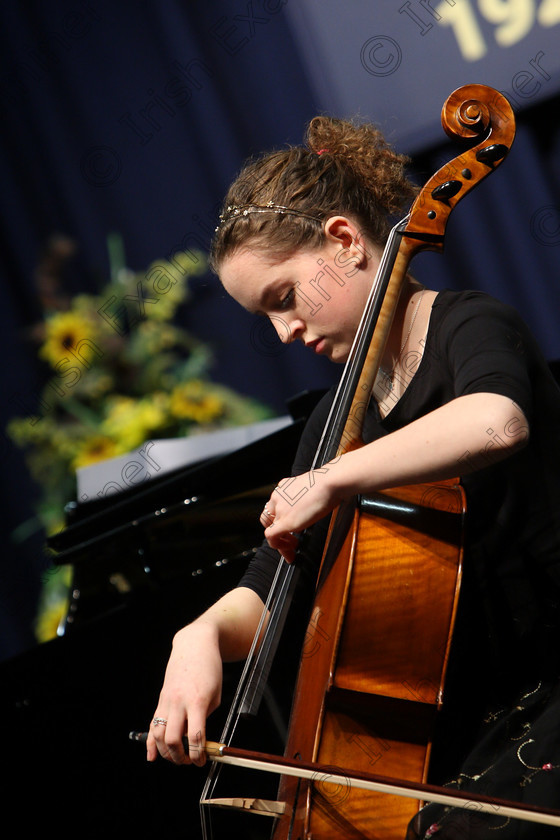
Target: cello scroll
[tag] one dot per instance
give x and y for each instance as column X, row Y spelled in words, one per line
column 470, row 113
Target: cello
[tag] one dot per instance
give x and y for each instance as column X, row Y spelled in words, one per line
column 373, row 665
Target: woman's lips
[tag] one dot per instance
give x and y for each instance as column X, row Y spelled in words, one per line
column 317, row 346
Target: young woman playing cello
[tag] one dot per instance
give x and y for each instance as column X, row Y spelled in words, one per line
column 462, row 391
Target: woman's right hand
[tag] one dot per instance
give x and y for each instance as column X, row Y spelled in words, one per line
column 191, row 690
column 192, row 687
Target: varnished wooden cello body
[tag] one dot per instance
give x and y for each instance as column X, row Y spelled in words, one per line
column 372, row 672
column 373, row 665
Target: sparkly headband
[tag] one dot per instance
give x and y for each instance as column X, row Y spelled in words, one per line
column 234, row 212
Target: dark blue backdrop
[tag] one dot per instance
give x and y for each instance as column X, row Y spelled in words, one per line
column 133, row 118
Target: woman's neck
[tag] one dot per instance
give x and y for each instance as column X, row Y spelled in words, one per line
column 407, row 319
column 405, row 344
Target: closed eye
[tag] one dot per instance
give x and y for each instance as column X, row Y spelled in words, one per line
column 288, row 300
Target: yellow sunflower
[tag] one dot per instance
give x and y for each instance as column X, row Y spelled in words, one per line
column 95, row 449
column 193, row 401
column 130, row 422
column 67, row 332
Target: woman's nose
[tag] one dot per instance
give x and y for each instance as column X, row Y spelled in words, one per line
column 287, row 330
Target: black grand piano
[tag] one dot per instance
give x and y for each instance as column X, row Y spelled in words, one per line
column 145, row 561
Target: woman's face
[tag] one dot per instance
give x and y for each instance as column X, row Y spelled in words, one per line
column 316, row 296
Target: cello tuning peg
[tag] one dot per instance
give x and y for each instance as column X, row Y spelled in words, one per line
column 445, row 191
column 491, row 154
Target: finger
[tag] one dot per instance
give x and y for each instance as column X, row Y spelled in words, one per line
column 156, row 737
column 166, row 736
column 285, row 543
column 267, row 516
column 173, row 742
column 151, row 748
column 197, row 743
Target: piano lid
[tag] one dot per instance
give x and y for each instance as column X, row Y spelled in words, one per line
column 262, row 462
column 156, row 458
column 129, row 510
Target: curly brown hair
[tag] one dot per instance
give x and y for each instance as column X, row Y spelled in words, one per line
column 345, row 168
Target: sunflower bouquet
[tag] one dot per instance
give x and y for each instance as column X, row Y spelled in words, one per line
column 119, row 370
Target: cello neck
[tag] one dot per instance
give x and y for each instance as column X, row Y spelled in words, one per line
column 344, row 424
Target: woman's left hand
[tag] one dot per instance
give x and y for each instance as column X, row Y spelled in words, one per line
column 296, row 504
column 432, row 448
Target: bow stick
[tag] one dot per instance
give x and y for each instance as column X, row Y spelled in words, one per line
column 322, row 774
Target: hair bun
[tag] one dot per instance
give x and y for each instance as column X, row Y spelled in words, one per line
column 363, row 149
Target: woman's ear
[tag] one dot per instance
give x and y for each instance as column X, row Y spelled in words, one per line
column 350, row 242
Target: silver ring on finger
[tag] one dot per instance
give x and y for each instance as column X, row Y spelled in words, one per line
column 157, row 721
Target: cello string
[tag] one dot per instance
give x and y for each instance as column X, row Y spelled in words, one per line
column 360, row 344
column 255, row 684
column 283, row 574
column 280, row 583
column 275, row 606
